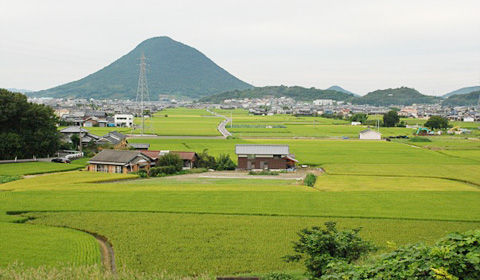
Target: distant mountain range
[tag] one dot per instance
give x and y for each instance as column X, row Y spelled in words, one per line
column 466, row 99
column 464, row 90
column 397, row 96
column 173, row 69
column 19, row 90
column 296, row 92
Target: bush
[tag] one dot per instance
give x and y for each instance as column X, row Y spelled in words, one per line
column 321, row 247
column 455, row 257
column 277, row 276
column 162, row 170
column 420, row 139
column 224, row 162
column 171, row 160
column 206, row 161
column 310, row 179
column 141, row 173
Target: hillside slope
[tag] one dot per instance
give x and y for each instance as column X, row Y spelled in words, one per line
column 296, row 92
column 469, row 99
column 173, row 69
column 396, row 96
column 464, row 90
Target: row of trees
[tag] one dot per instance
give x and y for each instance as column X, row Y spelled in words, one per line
column 392, row 119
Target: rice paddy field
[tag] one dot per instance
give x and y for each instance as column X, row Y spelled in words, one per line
column 398, row 192
column 199, row 122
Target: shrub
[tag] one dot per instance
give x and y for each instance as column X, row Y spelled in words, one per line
column 420, row 139
column 158, row 171
column 224, row 162
column 455, row 257
column 141, row 173
column 277, row 276
column 310, row 179
column 171, row 160
column 206, row 161
column 321, row 247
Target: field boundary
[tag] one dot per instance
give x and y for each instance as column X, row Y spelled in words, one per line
column 476, row 185
column 13, row 213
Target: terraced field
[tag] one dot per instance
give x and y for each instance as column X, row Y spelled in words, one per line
column 189, row 225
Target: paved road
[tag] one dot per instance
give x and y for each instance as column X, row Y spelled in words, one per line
column 221, row 127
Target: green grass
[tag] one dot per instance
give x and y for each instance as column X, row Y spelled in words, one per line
column 26, row 168
column 6, row 179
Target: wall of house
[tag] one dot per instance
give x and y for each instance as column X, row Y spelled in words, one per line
column 273, row 163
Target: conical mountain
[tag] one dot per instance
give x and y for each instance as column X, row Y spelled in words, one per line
column 173, row 69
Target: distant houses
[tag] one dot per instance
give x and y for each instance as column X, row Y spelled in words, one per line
column 264, row 157
column 113, row 137
column 369, row 134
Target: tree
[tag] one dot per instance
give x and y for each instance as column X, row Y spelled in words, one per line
column 206, row 161
column 171, row 160
column 26, row 129
column 390, row 119
column 75, row 141
column 322, row 247
column 359, row 117
column 437, row 122
column 224, row 162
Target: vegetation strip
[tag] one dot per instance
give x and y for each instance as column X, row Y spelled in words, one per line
column 408, row 176
column 236, row 214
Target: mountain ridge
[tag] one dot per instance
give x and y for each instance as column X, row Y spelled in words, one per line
column 464, row 90
column 173, row 69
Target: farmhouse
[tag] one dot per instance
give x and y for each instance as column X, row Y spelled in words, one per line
column 119, row 161
column 264, row 157
column 369, row 134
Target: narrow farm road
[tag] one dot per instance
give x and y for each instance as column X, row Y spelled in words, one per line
column 106, row 250
column 221, row 127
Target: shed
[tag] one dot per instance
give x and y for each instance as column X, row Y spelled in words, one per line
column 264, row 157
column 369, row 134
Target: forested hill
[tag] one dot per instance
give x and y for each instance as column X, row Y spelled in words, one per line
column 464, row 90
column 396, row 96
column 469, row 99
column 173, row 69
column 296, row 92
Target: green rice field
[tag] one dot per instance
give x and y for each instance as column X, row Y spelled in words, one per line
column 398, row 192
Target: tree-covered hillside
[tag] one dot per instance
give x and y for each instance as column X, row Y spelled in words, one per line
column 396, row 96
column 172, row 69
column 464, row 90
column 469, row 99
column 296, row 92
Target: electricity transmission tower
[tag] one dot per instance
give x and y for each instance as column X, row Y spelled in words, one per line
column 142, row 98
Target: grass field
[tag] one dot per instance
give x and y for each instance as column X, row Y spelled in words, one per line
column 27, row 168
column 191, row 225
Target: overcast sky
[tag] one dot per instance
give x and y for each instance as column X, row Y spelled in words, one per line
column 431, row 45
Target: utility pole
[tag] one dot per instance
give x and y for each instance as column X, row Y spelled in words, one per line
column 142, row 94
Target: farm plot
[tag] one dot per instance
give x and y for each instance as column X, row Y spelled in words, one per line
column 28, row 168
column 226, row 244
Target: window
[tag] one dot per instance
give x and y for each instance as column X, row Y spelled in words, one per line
column 118, row 169
column 251, row 156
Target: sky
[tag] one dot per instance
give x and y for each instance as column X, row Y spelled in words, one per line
column 430, row 45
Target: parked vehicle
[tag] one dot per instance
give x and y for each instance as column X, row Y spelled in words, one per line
column 61, row 160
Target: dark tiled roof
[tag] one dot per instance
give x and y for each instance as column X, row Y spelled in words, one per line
column 118, row 156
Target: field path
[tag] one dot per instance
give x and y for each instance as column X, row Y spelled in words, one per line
column 221, row 127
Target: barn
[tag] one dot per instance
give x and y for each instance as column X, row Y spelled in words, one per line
column 264, row 157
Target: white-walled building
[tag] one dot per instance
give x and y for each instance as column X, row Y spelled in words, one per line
column 123, row 120
column 323, row 102
column 369, row 134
